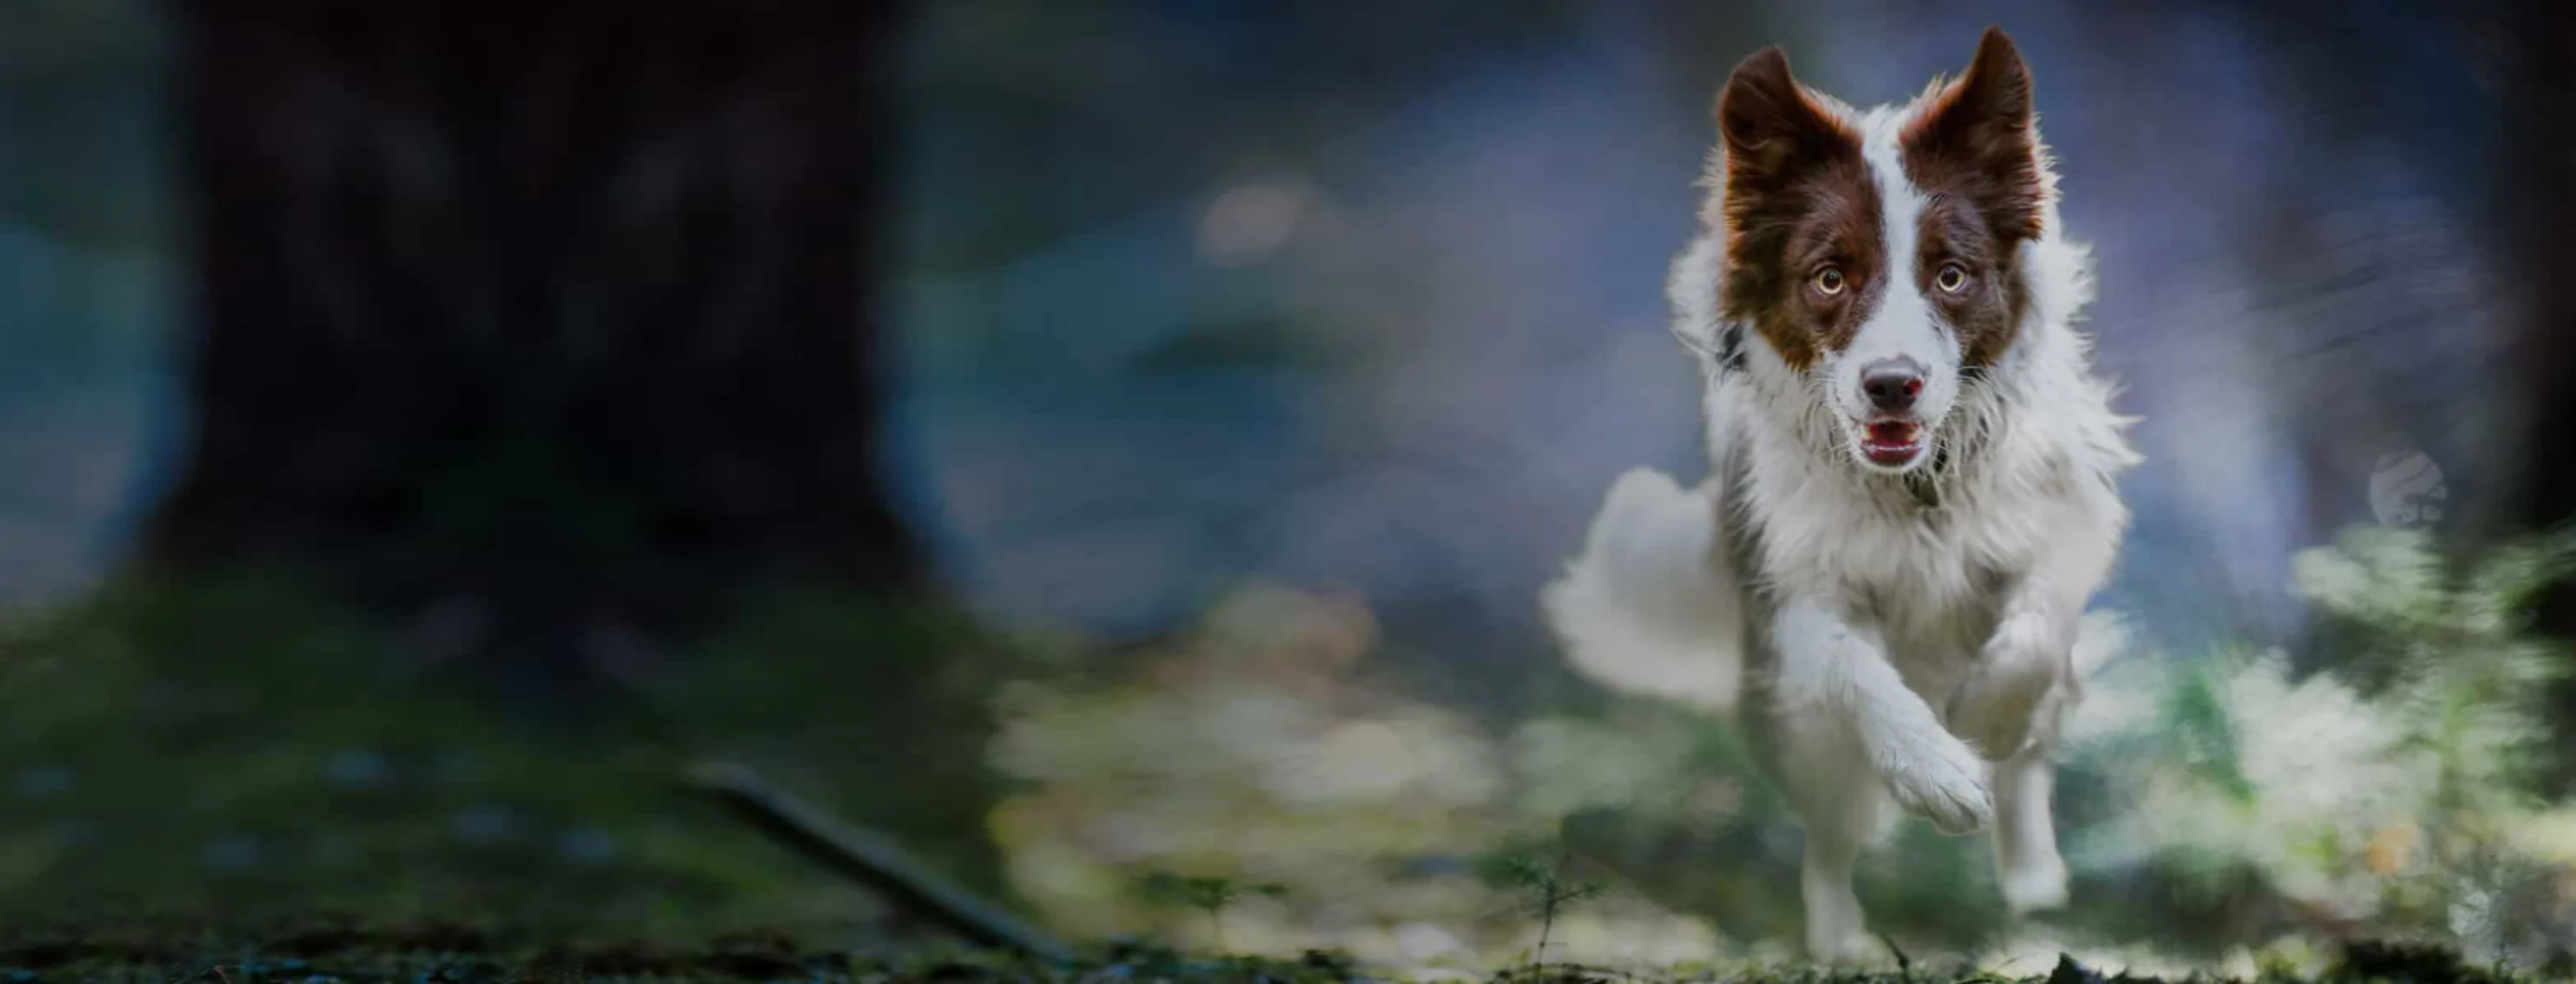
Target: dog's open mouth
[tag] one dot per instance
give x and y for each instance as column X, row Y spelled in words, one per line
column 1892, row 443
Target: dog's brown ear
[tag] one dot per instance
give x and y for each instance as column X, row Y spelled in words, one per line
column 1997, row 80
column 1977, row 135
column 1779, row 143
column 1766, row 120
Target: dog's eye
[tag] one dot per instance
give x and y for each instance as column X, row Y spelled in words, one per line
column 1952, row 279
column 1829, row 281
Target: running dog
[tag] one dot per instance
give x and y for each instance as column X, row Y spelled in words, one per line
column 1913, row 485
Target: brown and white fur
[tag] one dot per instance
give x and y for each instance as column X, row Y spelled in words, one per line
column 1913, row 489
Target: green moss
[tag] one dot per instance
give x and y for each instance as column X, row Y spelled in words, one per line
column 232, row 746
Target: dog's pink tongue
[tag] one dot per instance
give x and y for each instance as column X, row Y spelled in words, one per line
column 1891, row 432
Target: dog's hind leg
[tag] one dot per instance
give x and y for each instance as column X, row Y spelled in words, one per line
column 2027, row 865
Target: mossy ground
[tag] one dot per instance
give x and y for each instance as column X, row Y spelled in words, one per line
column 423, row 952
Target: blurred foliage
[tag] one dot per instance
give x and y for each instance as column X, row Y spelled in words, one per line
column 228, row 746
column 2389, row 794
column 1250, row 750
column 2220, row 807
column 1210, row 896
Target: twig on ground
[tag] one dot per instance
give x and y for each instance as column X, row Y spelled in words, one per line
column 1904, row 964
column 872, row 859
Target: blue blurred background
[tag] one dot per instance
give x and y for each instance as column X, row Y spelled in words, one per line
column 1186, row 292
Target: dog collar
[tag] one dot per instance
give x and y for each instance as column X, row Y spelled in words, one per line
column 1926, row 484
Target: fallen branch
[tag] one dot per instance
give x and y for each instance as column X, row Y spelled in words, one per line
column 871, row 859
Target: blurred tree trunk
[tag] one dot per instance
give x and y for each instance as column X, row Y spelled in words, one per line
column 2536, row 212
column 2537, row 209
column 548, row 333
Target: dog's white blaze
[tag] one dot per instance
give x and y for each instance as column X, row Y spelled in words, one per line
column 1903, row 325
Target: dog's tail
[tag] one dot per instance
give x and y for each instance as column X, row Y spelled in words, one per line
column 1647, row 609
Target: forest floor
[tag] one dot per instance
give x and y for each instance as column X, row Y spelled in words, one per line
column 422, row 953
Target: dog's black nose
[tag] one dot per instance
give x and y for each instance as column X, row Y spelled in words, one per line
column 1892, row 384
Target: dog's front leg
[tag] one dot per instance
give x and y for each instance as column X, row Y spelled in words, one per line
column 2014, row 700
column 1847, row 736
column 2010, row 706
column 1835, row 676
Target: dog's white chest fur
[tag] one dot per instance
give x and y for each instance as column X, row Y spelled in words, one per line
column 1926, row 558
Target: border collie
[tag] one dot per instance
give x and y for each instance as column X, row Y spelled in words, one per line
column 1912, row 493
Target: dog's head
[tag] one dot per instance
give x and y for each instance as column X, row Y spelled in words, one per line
column 1878, row 256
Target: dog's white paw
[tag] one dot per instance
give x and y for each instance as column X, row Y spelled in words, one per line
column 2035, row 885
column 1841, row 948
column 1943, row 782
column 1838, row 934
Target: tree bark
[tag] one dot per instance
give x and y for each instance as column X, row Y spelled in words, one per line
column 548, row 324
column 2536, row 210
column 2536, row 214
